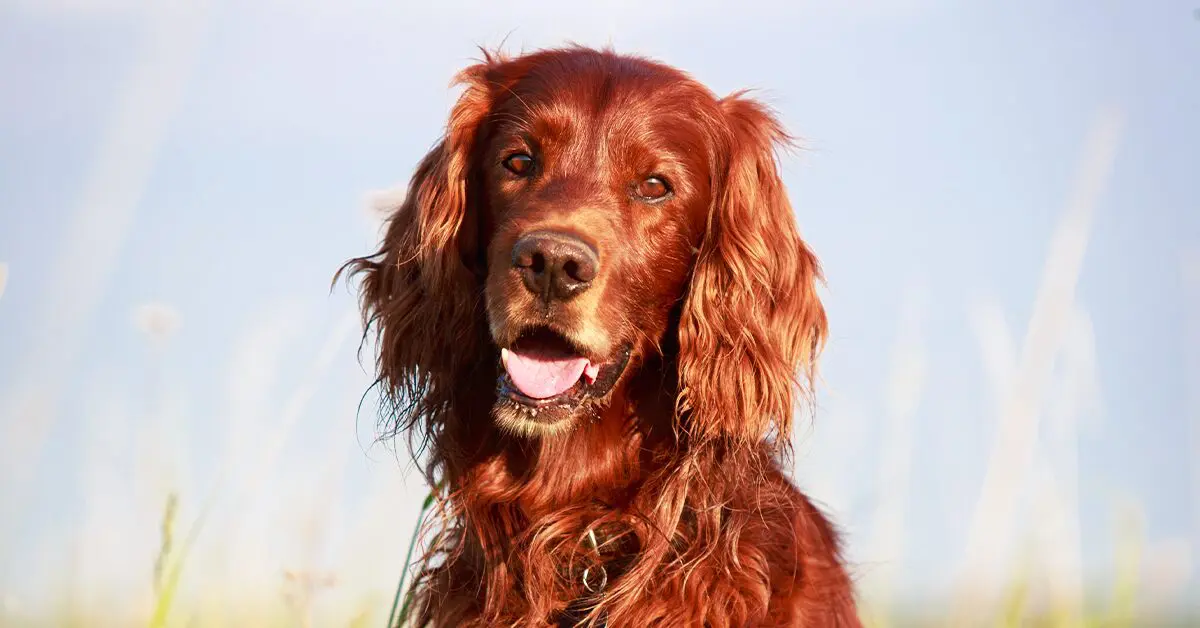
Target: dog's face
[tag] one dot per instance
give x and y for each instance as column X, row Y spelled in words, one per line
column 597, row 186
column 609, row 210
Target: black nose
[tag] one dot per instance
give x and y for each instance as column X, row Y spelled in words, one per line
column 554, row 266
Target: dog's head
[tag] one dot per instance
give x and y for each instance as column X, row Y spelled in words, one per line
column 583, row 211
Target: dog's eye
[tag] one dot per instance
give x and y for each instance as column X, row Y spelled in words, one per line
column 652, row 189
column 519, row 163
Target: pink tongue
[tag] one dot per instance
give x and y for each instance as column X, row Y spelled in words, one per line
column 542, row 376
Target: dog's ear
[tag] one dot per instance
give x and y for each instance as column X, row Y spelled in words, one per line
column 752, row 324
column 419, row 292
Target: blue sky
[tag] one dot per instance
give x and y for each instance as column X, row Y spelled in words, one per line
column 943, row 141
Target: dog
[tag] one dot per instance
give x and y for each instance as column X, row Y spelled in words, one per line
column 594, row 316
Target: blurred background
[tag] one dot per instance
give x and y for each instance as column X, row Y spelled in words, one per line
column 1005, row 196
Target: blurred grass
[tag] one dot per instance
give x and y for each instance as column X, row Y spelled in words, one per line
column 166, row 578
column 1117, row 608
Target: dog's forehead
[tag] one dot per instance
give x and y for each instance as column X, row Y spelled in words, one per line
column 573, row 86
column 558, row 68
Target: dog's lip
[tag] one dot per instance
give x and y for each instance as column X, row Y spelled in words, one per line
column 590, row 385
column 552, row 333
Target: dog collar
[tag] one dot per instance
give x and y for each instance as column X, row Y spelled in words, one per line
column 594, row 579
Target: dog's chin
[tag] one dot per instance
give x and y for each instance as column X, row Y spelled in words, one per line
column 543, row 422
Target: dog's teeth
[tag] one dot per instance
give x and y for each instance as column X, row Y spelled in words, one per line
column 504, row 357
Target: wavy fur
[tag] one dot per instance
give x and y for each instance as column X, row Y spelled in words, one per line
column 678, row 473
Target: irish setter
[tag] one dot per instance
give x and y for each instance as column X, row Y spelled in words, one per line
column 595, row 317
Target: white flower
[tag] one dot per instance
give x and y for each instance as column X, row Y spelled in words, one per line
column 157, row 320
column 380, row 205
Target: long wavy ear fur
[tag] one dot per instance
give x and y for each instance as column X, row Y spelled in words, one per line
column 418, row 293
column 752, row 324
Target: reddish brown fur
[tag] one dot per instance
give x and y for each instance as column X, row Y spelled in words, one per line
column 678, row 470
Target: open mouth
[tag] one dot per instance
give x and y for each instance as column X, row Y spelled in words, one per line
column 543, row 368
